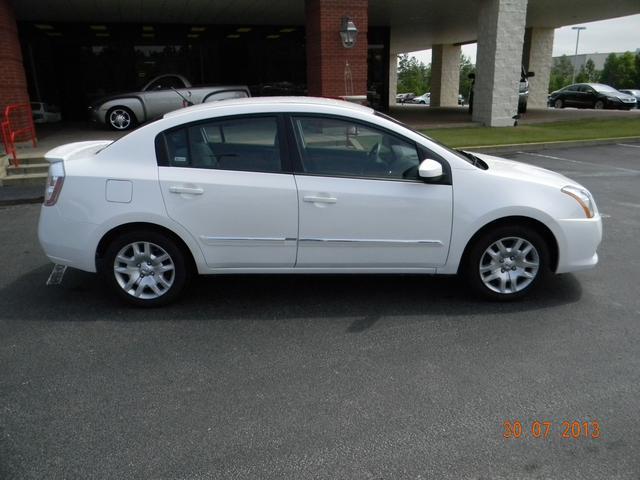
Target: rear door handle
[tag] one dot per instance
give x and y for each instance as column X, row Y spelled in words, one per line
column 318, row 199
column 187, row 190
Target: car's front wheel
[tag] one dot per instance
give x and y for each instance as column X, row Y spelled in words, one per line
column 145, row 268
column 558, row 103
column 599, row 105
column 120, row 118
column 507, row 262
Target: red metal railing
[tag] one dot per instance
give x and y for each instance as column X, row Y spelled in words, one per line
column 17, row 126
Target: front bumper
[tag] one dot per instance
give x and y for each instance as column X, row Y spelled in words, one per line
column 578, row 243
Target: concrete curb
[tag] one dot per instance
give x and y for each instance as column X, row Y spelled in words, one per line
column 516, row 147
column 21, row 201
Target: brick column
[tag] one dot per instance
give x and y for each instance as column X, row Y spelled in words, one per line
column 445, row 75
column 326, row 57
column 537, row 57
column 13, row 82
column 498, row 64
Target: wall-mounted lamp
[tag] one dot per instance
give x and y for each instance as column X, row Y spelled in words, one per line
column 348, row 32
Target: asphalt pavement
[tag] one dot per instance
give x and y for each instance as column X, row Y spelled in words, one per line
column 314, row 377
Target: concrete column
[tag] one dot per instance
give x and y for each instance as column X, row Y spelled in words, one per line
column 537, row 57
column 393, row 78
column 498, row 65
column 13, row 87
column 327, row 72
column 445, row 75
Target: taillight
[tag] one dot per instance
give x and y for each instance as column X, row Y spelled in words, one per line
column 54, row 184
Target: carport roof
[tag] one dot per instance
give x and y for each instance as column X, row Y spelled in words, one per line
column 417, row 24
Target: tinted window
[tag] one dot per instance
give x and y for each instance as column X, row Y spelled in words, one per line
column 343, row 148
column 248, row 144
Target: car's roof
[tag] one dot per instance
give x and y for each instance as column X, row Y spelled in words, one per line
column 275, row 101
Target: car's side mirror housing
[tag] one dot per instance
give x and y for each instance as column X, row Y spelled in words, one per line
column 430, row 170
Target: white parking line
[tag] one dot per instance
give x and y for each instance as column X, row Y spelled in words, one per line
column 580, row 162
column 627, row 145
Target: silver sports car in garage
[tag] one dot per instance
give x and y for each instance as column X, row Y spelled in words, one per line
column 161, row 95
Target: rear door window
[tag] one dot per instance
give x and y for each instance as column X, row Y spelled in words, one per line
column 245, row 144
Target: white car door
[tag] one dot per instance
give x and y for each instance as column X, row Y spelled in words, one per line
column 362, row 204
column 222, row 180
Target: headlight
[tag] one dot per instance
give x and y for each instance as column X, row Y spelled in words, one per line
column 583, row 197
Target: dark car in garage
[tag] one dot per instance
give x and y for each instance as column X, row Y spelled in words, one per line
column 591, row 95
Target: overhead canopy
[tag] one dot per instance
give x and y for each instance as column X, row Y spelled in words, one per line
column 415, row 24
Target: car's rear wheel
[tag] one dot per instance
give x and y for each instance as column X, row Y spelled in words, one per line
column 507, row 262
column 145, row 268
column 599, row 105
column 558, row 103
column 120, row 118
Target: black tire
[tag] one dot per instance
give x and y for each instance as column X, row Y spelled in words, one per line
column 471, row 265
column 599, row 105
column 131, row 122
column 558, row 103
column 177, row 277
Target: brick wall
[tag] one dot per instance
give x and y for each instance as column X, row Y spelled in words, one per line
column 13, row 83
column 326, row 57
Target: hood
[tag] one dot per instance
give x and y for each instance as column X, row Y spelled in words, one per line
column 620, row 95
column 72, row 151
column 525, row 172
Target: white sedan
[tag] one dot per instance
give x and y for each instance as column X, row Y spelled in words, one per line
column 305, row 185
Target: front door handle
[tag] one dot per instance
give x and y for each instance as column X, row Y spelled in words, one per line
column 318, row 199
column 187, row 190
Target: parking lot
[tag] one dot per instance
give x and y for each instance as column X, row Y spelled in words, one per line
column 327, row 376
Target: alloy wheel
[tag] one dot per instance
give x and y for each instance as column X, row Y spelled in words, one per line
column 509, row 265
column 144, row 270
column 120, row 119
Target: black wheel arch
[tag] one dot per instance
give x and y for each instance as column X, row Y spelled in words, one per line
column 515, row 220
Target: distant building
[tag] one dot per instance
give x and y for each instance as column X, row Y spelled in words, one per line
column 597, row 58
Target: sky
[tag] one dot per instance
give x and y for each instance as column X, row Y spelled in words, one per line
column 614, row 35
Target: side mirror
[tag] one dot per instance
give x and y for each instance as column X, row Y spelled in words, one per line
column 430, row 169
column 472, row 76
column 531, row 74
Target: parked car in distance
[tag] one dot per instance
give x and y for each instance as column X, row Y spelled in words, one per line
column 160, row 95
column 305, row 185
column 45, row 112
column 523, row 90
column 424, row 99
column 460, row 99
column 633, row 92
column 591, row 95
column 405, row 97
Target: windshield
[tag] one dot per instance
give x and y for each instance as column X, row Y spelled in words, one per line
column 458, row 153
column 604, row 88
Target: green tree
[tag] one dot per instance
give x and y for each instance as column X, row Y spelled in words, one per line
column 413, row 76
column 588, row 73
column 466, row 67
column 561, row 73
column 620, row 71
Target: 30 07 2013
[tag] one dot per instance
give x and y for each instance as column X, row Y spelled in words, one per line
column 568, row 429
